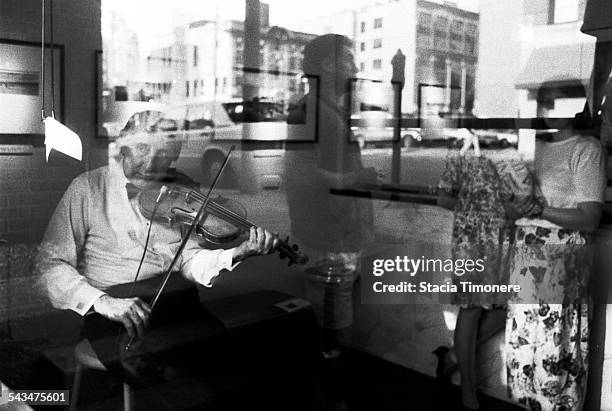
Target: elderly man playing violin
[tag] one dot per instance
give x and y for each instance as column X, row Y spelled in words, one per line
column 96, row 240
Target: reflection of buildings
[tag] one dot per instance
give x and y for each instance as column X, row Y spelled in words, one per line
column 526, row 43
column 446, row 54
column 129, row 74
column 120, row 42
column 218, row 71
column 165, row 67
column 204, row 61
column 439, row 41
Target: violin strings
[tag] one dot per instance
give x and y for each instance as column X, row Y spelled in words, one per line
column 237, row 218
column 224, row 211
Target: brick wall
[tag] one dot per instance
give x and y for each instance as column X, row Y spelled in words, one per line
column 29, row 186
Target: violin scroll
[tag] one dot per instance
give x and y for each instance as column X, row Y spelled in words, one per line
column 291, row 252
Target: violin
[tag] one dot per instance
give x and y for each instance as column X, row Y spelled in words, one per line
column 180, row 205
column 224, row 219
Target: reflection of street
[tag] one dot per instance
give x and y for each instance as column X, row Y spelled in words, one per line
column 421, row 229
column 419, row 166
column 268, row 208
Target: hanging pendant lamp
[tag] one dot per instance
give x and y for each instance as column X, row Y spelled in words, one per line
column 57, row 135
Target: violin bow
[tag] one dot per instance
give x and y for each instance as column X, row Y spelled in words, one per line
column 186, row 237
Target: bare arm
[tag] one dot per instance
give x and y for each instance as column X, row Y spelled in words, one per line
column 585, row 217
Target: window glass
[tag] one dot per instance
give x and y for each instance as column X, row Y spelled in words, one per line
column 424, row 23
column 201, row 61
column 441, row 32
column 195, row 56
column 343, row 119
column 456, row 35
column 564, row 11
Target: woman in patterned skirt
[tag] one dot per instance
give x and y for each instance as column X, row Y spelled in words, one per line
column 547, row 325
column 475, row 188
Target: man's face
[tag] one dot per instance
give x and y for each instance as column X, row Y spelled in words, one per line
column 340, row 68
column 147, row 158
column 345, row 66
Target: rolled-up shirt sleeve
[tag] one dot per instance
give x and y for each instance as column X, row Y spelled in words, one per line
column 206, row 265
column 56, row 262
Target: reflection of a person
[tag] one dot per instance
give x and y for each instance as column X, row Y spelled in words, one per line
column 322, row 221
column 96, row 240
column 547, row 343
column 332, row 227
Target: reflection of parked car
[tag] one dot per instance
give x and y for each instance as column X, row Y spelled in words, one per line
column 255, row 111
column 499, row 138
column 371, row 128
column 454, row 137
column 445, row 136
column 203, row 125
column 257, row 128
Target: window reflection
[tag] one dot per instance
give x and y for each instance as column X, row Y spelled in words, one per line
column 482, row 58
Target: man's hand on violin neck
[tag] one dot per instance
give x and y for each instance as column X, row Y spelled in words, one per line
column 133, row 313
column 260, row 242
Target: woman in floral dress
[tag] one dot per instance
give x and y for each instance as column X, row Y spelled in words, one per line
column 476, row 188
column 547, row 325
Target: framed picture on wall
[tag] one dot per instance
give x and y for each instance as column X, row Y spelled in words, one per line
column 435, row 105
column 101, row 95
column 21, row 88
column 373, row 111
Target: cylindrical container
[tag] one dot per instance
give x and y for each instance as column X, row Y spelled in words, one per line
column 329, row 287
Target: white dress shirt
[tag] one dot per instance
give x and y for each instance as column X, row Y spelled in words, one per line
column 96, row 238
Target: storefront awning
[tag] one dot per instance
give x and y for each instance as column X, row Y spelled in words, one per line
column 566, row 63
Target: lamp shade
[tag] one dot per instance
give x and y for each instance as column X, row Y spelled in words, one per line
column 62, row 139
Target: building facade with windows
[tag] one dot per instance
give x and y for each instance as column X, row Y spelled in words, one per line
column 208, row 62
column 532, row 43
column 125, row 69
column 204, row 60
column 441, row 50
column 447, row 57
